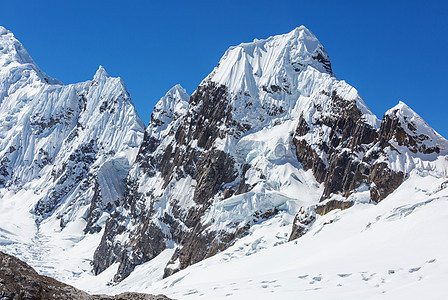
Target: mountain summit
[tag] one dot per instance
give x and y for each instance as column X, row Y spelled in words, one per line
column 271, row 62
column 17, row 68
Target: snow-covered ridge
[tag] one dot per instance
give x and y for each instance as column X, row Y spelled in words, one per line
column 64, row 153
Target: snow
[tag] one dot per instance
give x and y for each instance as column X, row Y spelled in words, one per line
column 44, row 246
column 249, row 66
column 285, row 185
column 394, row 250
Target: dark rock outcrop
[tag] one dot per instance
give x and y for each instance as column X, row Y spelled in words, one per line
column 19, row 281
column 326, row 207
column 301, row 223
column 349, row 136
column 354, row 148
column 384, row 181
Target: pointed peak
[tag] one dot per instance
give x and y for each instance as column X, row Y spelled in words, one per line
column 100, row 73
column 15, row 60
column 401, row 109
column 301, row 32
column 301, row 28
column 178, row 93
column 170, row 107
column 415, row 125
column 11, row 50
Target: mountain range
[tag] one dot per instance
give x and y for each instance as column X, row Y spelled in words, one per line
column 272, row 180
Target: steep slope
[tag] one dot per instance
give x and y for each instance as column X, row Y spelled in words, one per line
column 65, row 150
column 270, row 134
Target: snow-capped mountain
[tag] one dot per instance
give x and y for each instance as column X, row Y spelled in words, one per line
column 270, row 132
column 65, row 149
column 271, row 149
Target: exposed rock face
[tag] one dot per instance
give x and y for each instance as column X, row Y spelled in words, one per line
column 189, row 155
column 327, row 206
column 384, row 181
column 359, row 154
column 19, row 281
column 349, row 137
column 302, row 220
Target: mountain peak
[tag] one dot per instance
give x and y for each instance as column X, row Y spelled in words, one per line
column 100, row 73
column 416, row 129
column 3, row 30
column 15, row 62
column 270, row 61
column 403, row 111
column 178, row 93
column 174, row 102
column 11, row 50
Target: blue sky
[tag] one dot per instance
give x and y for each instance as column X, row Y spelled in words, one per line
column 388, row 50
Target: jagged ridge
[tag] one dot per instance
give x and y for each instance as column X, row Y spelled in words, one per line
column 215, row 171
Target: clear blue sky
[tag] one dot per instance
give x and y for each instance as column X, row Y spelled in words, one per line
column 388, row 50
